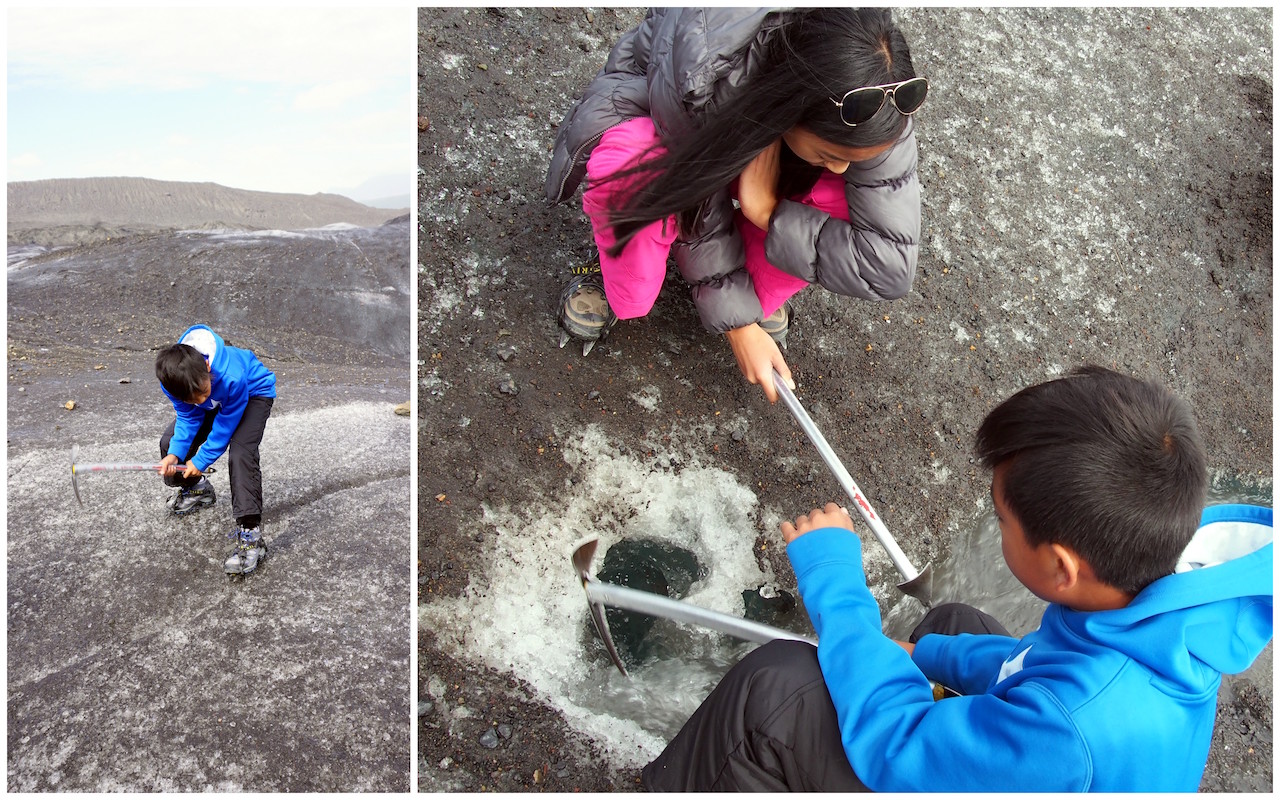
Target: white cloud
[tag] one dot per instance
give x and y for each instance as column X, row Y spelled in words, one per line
column 170, row 48
column 25, row 161
column 281, row 99
column 330, row 96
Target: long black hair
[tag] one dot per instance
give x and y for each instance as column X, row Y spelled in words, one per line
column 809, row 62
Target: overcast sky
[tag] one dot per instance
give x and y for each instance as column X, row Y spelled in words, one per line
column 275, row 99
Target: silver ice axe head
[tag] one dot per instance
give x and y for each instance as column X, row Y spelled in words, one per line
column 582, row 557
column 921, row 586
column 75, row 486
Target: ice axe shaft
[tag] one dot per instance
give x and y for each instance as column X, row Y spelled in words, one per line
column 657, row 605
column 115, row 467
column 601, row 594
column 78, row 468
column 918, row 584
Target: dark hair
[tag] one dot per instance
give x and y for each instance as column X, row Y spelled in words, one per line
column 182, row 371
column 1103, row 463
column 809, row 61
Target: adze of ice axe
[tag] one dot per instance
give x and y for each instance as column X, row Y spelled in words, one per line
column 917, row 584
column 77, row 468
column 600, row 595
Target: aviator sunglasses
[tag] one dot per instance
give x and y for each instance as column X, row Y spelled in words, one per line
column 861, row 104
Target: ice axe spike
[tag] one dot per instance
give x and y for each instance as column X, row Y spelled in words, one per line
column 916, row 584
column 77, row 468
column 601, row 594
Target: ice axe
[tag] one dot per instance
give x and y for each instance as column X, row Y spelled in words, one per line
column 917, row 584
column 601, row 594
column 77, row 468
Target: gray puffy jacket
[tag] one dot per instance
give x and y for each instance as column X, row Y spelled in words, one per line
column 680, row 64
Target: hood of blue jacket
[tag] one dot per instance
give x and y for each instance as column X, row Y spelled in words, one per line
column 217, row 364
column 1214, row 612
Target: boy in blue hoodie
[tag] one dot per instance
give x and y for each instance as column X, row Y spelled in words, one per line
column 222, row 397
column 1098, row 483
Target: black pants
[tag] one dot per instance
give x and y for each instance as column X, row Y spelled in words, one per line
column 242, row 456
column 770, row 725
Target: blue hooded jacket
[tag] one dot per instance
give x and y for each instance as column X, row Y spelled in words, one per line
column 1120, row 700
column 235, row 375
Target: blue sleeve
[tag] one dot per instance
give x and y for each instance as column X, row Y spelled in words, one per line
column 189, row 420
column 234, row 397
column 894, row 734
column 965, row 662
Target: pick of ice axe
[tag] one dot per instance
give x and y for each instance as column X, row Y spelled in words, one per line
column 77, row 468
column 600, row 595
column 917, row 584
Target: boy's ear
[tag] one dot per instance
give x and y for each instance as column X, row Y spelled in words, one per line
column 1077, row 586
column 1066, row 567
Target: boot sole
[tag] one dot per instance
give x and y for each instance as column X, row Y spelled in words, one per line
column 777, row 329
column 261, row 559
column 193, row 509
column 584, row 312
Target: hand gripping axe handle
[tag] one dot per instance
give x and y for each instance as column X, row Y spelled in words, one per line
column 78, row 468
column 917, row 584
column 601, row 594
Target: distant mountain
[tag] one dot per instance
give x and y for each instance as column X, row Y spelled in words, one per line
column 398, row 201
column 77, row 210
column 380, row 191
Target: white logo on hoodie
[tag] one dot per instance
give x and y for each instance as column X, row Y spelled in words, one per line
column 1013, row 666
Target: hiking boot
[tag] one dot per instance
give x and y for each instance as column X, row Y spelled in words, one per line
column 776, row 325
column 190, row 499
column 250, row 550
column 584, row 311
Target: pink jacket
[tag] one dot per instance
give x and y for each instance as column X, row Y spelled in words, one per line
column 633, row 278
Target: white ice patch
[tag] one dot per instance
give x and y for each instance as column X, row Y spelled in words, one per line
column 441, row 304
column 525, row 134
column 433, row 384
column 233, row 236
column 21, row 254
column 238, row 236
column 647, row 397
column 1193, row 259
column 941, row 474
column 525, row 612
column 444, row 209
